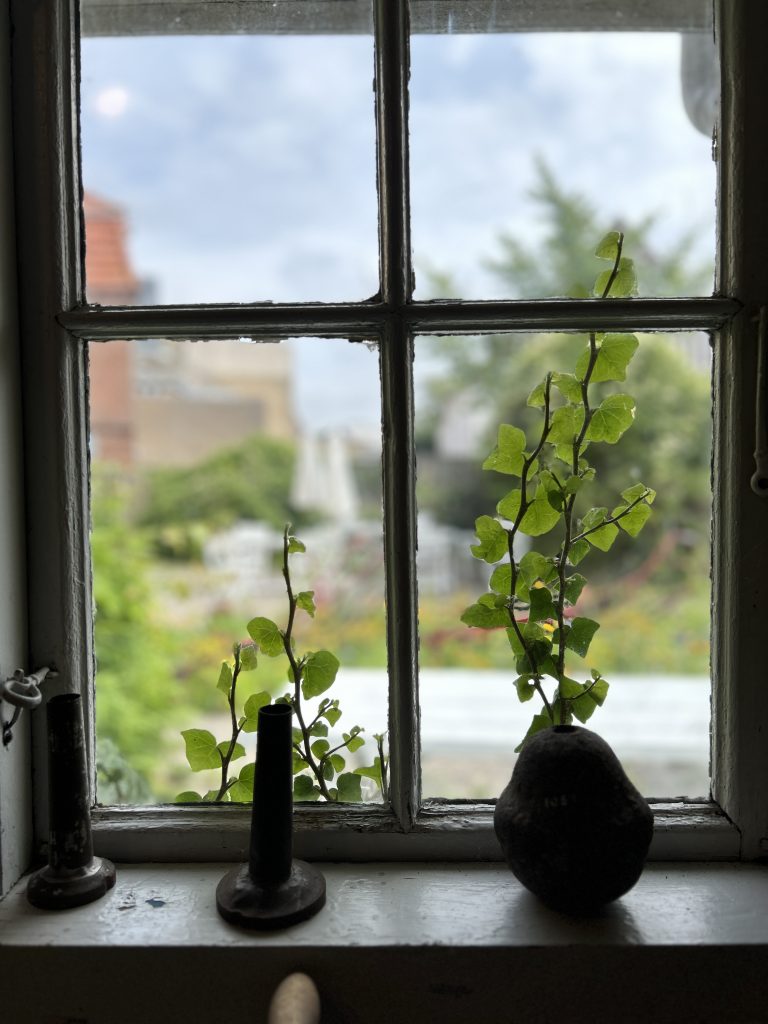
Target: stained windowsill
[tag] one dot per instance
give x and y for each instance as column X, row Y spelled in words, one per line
column 405, row 941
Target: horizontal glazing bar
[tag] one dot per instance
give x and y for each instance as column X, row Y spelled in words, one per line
column 364, row 320
column 683, row 831
column 192, row 17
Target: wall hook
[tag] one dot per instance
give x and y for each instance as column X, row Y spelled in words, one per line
column 22, row 692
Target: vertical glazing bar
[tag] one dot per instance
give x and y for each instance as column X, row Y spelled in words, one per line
column 392, row 46
column 392, row 69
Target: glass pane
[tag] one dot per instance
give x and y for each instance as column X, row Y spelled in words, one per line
column 236, row 164
column 649, row 593
column 200, row 454
column 528, row 143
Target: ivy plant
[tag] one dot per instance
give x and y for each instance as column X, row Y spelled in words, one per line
column 533, row 597
column 320, row 770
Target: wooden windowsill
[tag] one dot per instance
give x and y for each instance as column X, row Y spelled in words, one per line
column 398, row 942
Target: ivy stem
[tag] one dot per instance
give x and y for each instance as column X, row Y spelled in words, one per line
column 383, row 763
column 296, row 671
column 610, row 520
column 524, row 504
column 570, row 500
column 227, row 758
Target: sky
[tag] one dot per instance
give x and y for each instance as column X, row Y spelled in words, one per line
column 246, row 165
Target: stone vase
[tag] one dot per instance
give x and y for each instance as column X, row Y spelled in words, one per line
column 573, row 828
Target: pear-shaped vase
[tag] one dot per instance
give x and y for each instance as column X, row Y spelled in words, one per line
column 573, row 828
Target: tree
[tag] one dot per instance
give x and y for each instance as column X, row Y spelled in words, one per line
column 135, row 685
column 668, row 445
column 249, row 481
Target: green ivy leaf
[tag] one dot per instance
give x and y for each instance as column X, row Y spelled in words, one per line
column 225, row 678
column 566, row 424
column 241, row 792
column 541, row 605
column 639, row 491
column 509, row 454
column 237, row 752
column 613, row 358
column 604, row 537
column 319, row 729
column 265, row 633
column 540, row 517
column 248, row 660
column 599, row 691
column 535, row 566
column 539, row 722
column 299, row 764
column 349, row 788
column 573, row 484
column 188, row 797
column 212, row 794
column 508, row 508
column 624, row 284
column 201, row 749
column 501, row 580
column 493, row 540
column 611, row 418
column 320, row 671
column 304, row 789
column 320, row 747
column 338, row 762
column 251, row 710
column 537, row 397
column 295, row 545
column 608, row 246
column 568, row 386
column 573, row 587
column 580, row 635
column 353, row 740
column 525, row 688
column 484, row 617
column 305, row 600
column 633, row 521
column 372, row 771
column 579, row 550
column 332, row 713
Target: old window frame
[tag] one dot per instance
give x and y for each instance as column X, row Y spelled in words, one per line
column 57, row 325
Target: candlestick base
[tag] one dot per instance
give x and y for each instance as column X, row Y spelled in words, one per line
column 242, row 900
column 63, row 888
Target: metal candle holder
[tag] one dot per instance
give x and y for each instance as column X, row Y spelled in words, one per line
column 272, row 890
column 73, row 876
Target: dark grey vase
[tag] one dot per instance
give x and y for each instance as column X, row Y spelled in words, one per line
column 573, row 828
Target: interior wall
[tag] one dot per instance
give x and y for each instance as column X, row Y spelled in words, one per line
column 15, row 788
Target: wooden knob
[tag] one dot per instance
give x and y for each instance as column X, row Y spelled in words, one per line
column 296, row 1001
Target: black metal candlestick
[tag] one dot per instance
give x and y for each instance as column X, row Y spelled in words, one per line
column 73, row 876
column 272, row 890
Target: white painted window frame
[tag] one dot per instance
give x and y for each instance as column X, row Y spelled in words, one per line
column 57, row 325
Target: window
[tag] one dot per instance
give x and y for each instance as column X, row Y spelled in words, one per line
column 59, row 327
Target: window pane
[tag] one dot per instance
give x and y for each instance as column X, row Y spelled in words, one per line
column 649, row 593
column 242, row 160
column 200, row 454
column 524, row 144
